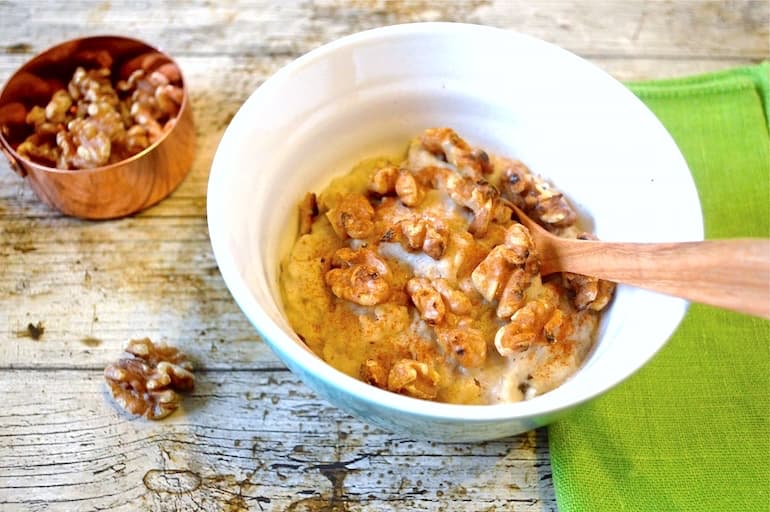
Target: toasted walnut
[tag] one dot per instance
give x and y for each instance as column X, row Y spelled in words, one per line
column 483, row 202
column 308, row 210
column 466, row 253
column 508, row 270
column 534, row 195
column 457, row 302
column 502, row 212
column 414, row 234
column 353, row 217
column 519, row 241
column 589, row 292
column 137, row 139
column 557, row 328
column 93, row 145
column 526, row 324
column 67, row 150
column 436, row 240
column 490, row 276
column 552, row 208
column 92, row 126
column 478, row 195
column 169, row 98
column 510, row 340
column 131, row 82
column 389, row 319
column 513, row 295
column 493, row 272
column 359, row 276
column 375, row 372
column 146, row 117
column 38, row 149
column 470, row 162
column 92, row 85
column 426, row 299
column 413, row 378
column 104, row 116
column 515, row 181
column 463, row 344
column 409, row 232
column 603, row 295
column 383, row 181
column 585, row 288
column 57, row 109
column 408, row 189
column 36, row 116
column 402, row 182
column 147, row 378
column 154, row 100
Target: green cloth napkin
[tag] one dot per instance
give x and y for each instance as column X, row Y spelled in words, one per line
column 691, row 430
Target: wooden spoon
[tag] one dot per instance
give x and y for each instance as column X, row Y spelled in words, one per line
column 730, row 274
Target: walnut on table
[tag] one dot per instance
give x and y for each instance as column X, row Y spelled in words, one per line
column 147, row 378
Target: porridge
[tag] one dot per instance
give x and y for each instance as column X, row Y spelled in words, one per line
column 412, row 275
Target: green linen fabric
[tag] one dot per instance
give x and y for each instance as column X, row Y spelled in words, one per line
column 691, row 430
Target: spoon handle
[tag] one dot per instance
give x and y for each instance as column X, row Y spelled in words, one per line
column 731, row 274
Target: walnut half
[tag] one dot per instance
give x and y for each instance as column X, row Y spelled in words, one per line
column 146, row 378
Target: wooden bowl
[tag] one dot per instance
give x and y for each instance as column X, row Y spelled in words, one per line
column 114, row 190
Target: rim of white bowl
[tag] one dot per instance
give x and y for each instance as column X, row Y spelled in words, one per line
column 289, row 348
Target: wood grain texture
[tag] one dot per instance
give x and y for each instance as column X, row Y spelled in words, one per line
column 245, row 440
column 251, row 437
column 730, row 274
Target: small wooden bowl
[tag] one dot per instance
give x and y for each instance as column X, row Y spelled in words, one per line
column 114, row 190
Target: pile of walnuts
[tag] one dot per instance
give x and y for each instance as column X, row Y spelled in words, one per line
column 93, row 122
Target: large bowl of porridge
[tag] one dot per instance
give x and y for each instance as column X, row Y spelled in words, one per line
column 359, row 209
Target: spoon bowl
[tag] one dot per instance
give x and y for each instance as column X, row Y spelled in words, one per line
column 731, row 274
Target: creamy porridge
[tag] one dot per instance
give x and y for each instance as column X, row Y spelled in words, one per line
column 412, row 275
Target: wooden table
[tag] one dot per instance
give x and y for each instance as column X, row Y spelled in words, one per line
column 251, row 437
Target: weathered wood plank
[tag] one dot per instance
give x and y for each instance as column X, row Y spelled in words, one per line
column 247, row 440
column 93, row 285
column 693, row 28
column 252, row 437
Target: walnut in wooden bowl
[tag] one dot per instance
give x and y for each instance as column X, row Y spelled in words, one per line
column 101, row 127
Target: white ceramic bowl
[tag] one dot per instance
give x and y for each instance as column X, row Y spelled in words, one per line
column 367, row 95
